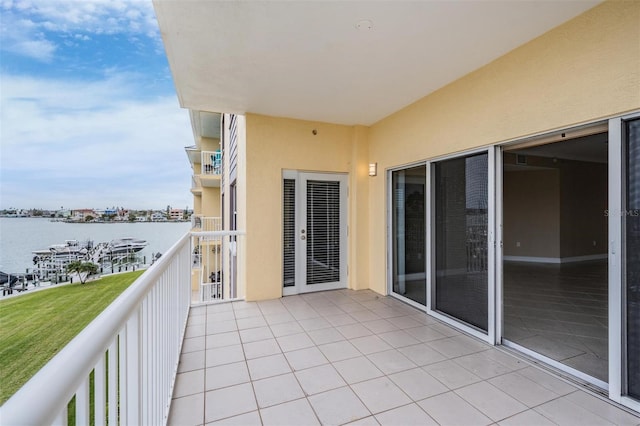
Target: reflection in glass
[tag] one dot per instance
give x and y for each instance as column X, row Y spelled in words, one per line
column 408, row 228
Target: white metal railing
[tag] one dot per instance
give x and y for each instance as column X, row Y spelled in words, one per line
column 196, row 222
column 211, row 162
column 211, row 224
column 133, row 349
column 206, row 223
column 217, row 258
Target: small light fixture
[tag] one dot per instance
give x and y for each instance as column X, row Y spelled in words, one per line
column 373, row 169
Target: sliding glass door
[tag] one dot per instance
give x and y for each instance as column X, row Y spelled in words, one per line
column 460, row 223
column 631, row 218
column 440, row 239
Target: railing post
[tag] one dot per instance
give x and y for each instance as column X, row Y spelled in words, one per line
column 133, row 370
column 99, row 392
column 82, row 403
column 112, row 380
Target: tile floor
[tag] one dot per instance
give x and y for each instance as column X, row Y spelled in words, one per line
column 353, row 357
column 560, row 311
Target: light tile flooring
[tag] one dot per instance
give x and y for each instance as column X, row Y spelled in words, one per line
column 352, row 357
column 560, row 311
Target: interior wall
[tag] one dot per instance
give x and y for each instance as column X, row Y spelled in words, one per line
column 584, row 195
column 531, row 213
column 277, row 144
column 555, row 214
column 584, row 70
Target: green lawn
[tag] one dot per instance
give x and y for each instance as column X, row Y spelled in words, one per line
column 35, row 326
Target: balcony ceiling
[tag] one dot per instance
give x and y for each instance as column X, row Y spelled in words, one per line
column 349, row 62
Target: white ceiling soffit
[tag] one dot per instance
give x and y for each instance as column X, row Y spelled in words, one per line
column 204, row 124
column 347, row 62
column 210, row 124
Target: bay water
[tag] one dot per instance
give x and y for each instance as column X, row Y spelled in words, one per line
column 20, row 236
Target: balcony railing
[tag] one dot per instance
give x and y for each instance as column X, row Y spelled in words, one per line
column 211, row 162
column 206, row 223
column 217, row 262
column 125, row 361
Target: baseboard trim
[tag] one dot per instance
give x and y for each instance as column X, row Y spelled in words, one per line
column 557, row 260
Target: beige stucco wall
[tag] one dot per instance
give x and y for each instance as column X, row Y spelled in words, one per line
column 277, row 144
column 584, row 70
column 211, row 202
column 197, row 204
column 209, row 144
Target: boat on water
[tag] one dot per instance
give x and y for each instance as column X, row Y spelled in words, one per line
column 126, row 245
column 71, row 250
column 8, row 279
column 50, row 264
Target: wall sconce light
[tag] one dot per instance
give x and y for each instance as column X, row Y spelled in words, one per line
column 373, row 169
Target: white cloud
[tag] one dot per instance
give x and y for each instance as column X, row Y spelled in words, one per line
column 91, row 141
column 25, row 23
column 94, row 16
column 41, row 50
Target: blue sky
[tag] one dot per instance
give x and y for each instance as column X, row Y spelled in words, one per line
column 89, row 115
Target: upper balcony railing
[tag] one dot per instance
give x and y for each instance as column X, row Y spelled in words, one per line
column 211, row 162
column 215, row 257
column 125, row 361
column 206, row 223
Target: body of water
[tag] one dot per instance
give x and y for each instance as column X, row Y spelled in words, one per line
column 20, row 236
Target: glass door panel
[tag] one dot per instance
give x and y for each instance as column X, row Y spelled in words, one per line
column 631, row 218
column 323, row 232
column 289, row 233
column 408, row 233
column 461, row 239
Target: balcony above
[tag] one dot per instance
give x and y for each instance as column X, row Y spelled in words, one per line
column 193, row 153
column 196, row 186
column 211, row 168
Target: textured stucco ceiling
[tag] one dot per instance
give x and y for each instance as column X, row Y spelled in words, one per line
column 348, row 62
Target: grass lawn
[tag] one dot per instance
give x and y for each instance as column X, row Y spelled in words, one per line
column 35, row 326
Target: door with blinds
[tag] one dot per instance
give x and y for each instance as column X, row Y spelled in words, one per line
column 314, row 232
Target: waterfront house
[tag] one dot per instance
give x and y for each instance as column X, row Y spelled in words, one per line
column 176, row 214
column 80, row 215
column 479, row 162
column 158, row 217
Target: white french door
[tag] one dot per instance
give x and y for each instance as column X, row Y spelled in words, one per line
column 314, row 232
